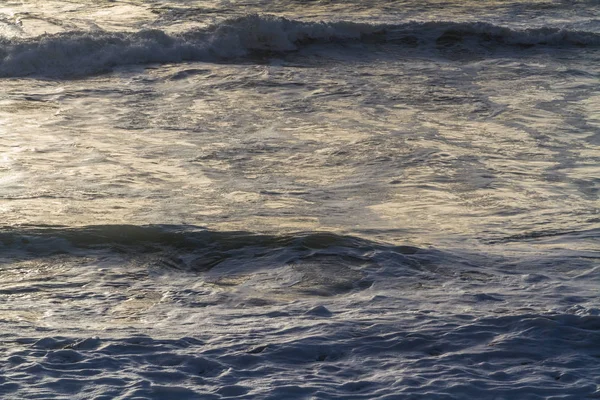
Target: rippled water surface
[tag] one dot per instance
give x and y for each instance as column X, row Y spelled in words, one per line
column 300, row 199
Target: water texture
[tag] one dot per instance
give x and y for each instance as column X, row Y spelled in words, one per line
column 300, row 199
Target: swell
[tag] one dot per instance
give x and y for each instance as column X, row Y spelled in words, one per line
column 43, row 241
column 314, row 263
column 78, row 53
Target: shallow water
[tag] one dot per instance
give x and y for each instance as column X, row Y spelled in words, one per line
column 295, row 199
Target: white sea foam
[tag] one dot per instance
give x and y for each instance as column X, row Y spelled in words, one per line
column 82, row 53
column 10, row 27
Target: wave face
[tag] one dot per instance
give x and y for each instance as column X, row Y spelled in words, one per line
column 315, row 264
column 78, row 53
column 215, row 246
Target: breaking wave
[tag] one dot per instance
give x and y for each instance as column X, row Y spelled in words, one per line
column 79, row 53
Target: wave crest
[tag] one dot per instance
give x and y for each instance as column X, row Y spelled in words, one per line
column 73, row 54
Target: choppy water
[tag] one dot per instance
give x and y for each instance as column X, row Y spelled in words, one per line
column 300, row 199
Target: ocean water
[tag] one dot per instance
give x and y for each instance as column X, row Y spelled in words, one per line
column 299, row 199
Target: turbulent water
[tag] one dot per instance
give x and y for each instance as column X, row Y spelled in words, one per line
column 300, row 199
